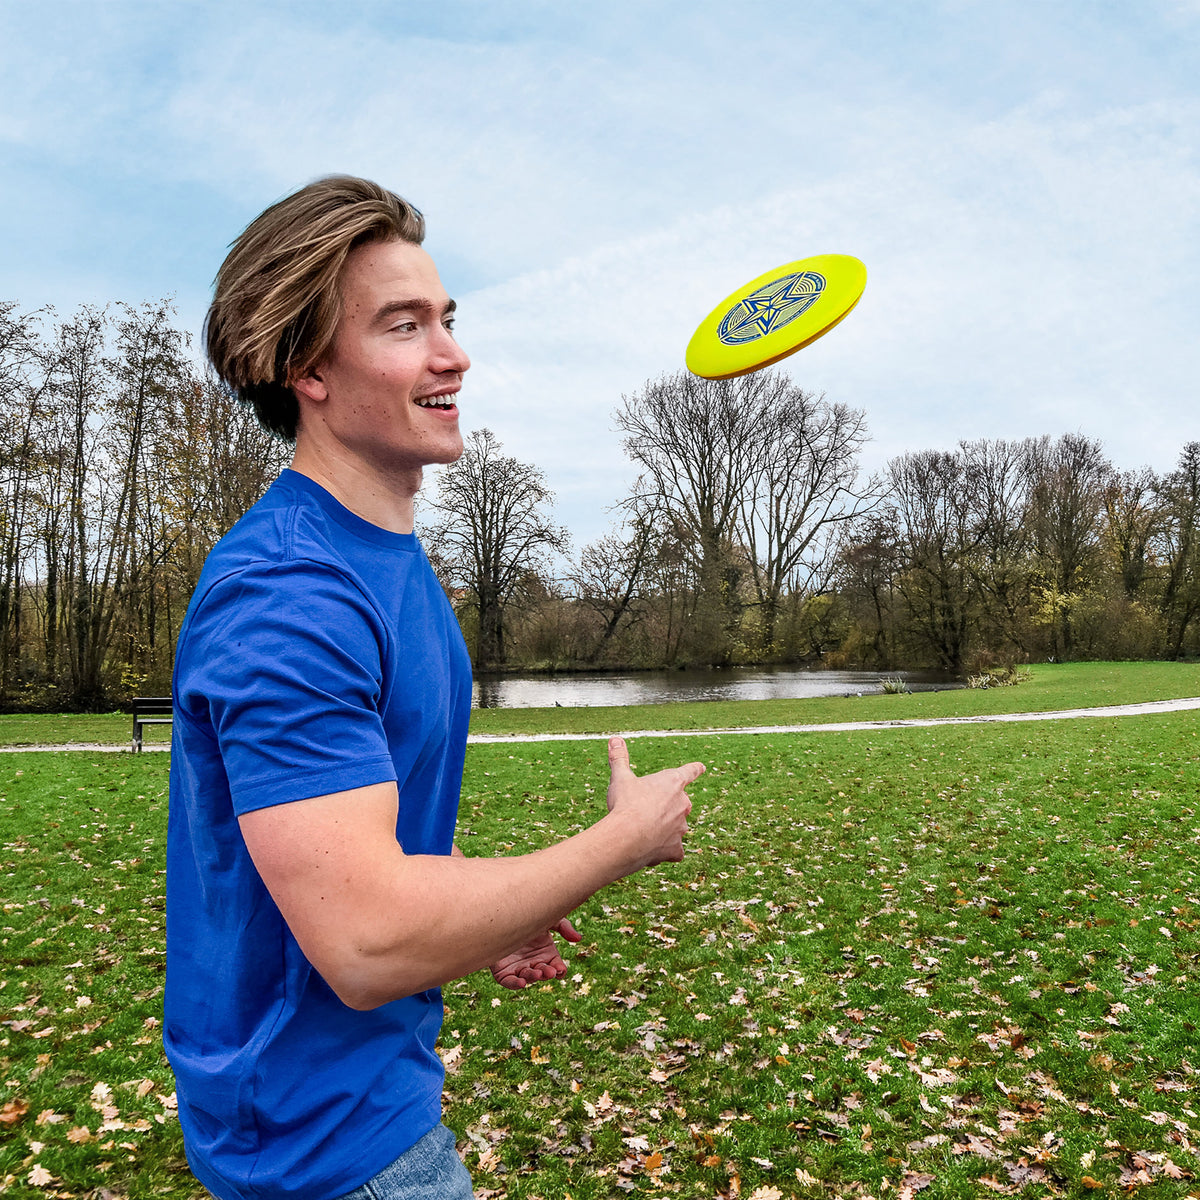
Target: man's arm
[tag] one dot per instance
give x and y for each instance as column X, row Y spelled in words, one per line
column 535, row 961
column 379, row 924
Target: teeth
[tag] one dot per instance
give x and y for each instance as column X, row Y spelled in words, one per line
column 436, row 402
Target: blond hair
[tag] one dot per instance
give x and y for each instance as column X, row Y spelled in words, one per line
column 276, row 302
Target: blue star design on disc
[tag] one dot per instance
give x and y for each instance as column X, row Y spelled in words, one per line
column 770, row 307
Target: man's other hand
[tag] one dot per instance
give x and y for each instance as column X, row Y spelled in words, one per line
column 537, row 960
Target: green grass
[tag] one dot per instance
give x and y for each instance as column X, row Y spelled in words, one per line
column 1066, row 685
column 966, row 958
column 61, row 729
column 81, row 938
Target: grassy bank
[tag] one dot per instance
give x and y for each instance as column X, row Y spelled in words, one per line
column 1067, row 685
column 956, row 961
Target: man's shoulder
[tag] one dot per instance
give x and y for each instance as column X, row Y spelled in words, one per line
column 286, row 525
column 280, row 551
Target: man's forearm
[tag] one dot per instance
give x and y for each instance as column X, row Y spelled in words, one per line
column 379, row 924
column 466, row 913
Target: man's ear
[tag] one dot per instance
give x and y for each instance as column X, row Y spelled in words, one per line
column 311, row 386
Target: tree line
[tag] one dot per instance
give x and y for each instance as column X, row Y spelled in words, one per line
column 121, row 464
column 750, row 535
column 1038, row 549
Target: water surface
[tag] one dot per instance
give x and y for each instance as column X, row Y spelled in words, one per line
column 661, row 687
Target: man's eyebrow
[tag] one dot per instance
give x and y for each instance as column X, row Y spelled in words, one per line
column 394, row 308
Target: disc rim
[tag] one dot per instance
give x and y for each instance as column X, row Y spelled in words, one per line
column 845, row 280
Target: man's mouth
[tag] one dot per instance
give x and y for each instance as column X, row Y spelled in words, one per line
column 436, row 401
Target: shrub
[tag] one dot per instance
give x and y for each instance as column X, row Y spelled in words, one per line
column 1008, row 676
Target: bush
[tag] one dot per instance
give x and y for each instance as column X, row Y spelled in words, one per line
column 1009, row 676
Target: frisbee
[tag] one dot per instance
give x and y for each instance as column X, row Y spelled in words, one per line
column 775, row 315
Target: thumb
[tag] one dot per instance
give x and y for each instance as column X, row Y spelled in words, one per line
column 567, row 931
column 618, row 756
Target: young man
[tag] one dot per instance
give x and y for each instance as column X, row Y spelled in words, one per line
column 315, row 900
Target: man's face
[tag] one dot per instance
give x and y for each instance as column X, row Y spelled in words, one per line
column 385, row 390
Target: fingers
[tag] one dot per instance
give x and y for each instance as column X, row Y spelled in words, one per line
column 618, row 762
column 516, row 976
column 618, row 756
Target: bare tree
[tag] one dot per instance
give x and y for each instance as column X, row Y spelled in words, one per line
column 24, row 378
column 491, row 531
column 868, row 569
column 212, row 461
column 1132, row 516
column 999, row 481
column 615, row 572
column 81, row 491
column 696, row 445
column 1179, row 543
column 1071, row 475
column 756, row 475
column 931, row 505
column 130, row 469
column 800, row 494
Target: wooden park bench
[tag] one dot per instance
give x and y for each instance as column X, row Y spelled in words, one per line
column 149, row 710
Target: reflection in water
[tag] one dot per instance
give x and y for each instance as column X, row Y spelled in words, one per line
column 661, row 687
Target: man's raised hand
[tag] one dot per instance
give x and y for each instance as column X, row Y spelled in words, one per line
column 652, row 808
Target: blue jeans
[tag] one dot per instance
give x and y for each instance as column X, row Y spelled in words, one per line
column 430, row 1170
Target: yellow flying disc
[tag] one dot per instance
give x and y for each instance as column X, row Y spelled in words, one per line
column 775, row 315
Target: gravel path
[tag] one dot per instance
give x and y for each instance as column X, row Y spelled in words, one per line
column 1065, row 714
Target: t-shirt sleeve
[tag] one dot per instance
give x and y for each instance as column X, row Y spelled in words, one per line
column 284, row 662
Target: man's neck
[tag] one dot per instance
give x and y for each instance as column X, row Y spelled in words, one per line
column 383, row 500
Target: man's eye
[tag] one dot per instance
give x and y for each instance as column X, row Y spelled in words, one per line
column 405, row 327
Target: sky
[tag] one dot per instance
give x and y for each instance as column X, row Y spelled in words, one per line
column 1022, row 181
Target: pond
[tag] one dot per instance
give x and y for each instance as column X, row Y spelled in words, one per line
column 661, row 687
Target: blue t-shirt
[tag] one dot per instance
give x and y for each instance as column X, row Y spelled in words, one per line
column 319, row 654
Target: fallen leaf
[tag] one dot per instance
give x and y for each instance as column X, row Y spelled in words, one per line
column 40, row 1177
column 13, row 1112
column 1089, row 1182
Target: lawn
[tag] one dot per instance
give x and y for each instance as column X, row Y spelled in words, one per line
column 941, row 962
column 1051, row 686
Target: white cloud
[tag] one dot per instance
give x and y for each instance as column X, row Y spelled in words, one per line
column 1021, row 182
column 1027, row 276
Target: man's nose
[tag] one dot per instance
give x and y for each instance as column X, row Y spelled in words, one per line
column 449, row 355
